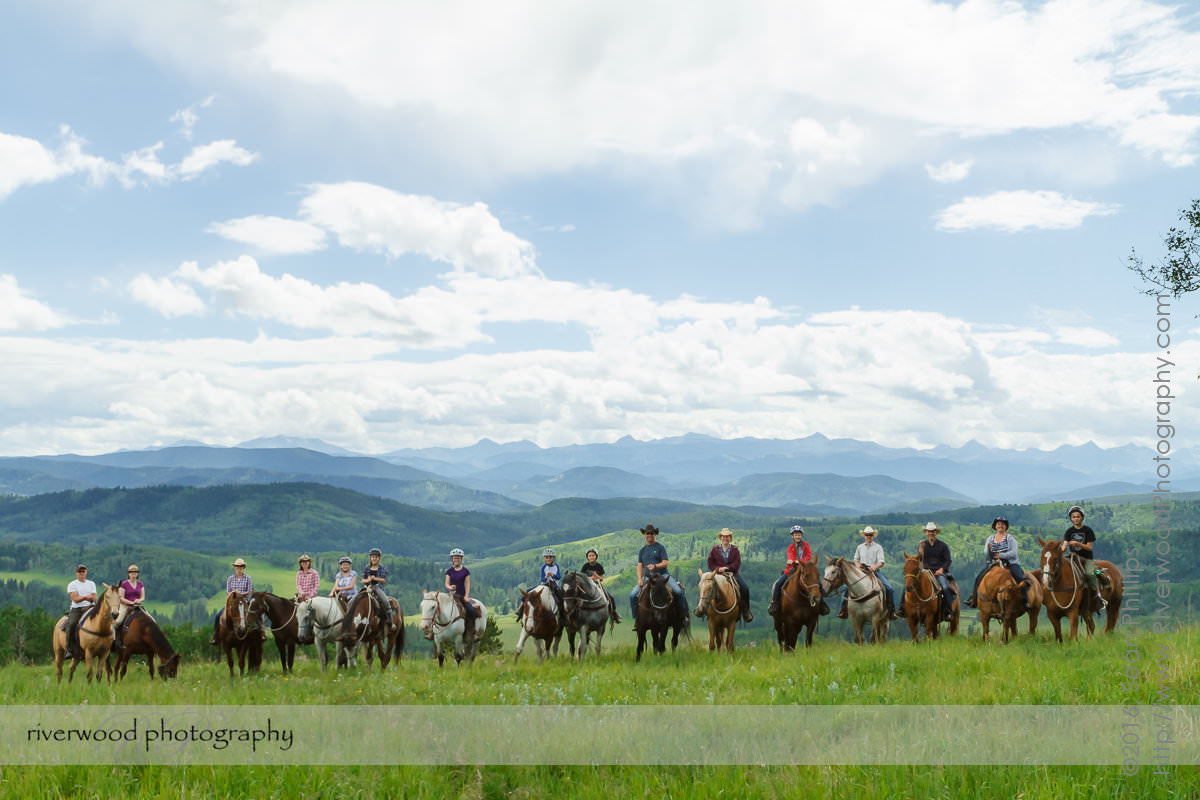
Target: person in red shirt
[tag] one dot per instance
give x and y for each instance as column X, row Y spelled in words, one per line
column 725, row 558
column 797, row 552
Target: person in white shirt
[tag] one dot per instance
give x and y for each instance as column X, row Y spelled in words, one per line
column 869, row 555
column 83, row 594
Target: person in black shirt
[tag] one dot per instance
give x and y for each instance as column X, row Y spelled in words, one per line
column 595, row 570
column 935, row 557
column 1080, row 540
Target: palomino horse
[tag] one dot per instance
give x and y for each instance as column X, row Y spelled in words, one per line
column 241, row 632
column 443, row 623
column 325, row 615
column 538, row 616
column 143, row 637
column 1012, row 605
column 657, row 611
column 95, row 635
column 586, row 608
column 1067, row 594
column 799, row 606
column 993, row 582
column 285, row 629
column 364, row 624
column 866, row 605
column 921, row 602
column 720, row 603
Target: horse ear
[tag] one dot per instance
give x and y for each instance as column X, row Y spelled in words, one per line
column 700, row 572
column 105, row 585
column 1041, row 541
column 523, row 593
column 906, row 555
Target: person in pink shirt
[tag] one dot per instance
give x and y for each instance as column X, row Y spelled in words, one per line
column 307, row 581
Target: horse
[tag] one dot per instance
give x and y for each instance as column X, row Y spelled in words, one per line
column 993, row 582
column 1067, row 594
column 799, row 606
column 720, row 602
column 443, row 623
column 538, row 616
column 586, row 607
column 285, row 628
column 1012, row 606
column 362, row 624
column 922, row 605
column 241, row 632
column 657, row 611
column 866, row 597
column 325, row 615
column 143, row 637
column 94, row 642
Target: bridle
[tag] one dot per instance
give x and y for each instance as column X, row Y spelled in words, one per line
column 432, row 619
column 708, row 598
column 1048, row 576
column 912, row 582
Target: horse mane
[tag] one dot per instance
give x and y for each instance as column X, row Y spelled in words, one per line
column 159, row 638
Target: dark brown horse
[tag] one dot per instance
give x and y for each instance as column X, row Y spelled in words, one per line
column 922, row 604
column 799, row 605
column 241, row 633
column 364, row 624
column 657, row 611
column 1013, row 605
column 1067, row 594
column 143, row 637
column 285, row 628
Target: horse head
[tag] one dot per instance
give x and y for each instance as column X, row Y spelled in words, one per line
column 236, row 613
column 111, row 600
column 834, row 576
column 705, row 591
column 304, row 610
column 170, row 667
column 429, row 609
column 1051, row 562
column 912, row 572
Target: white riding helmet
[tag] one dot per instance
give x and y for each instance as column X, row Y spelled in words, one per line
column 457, row 552
column 549, row 551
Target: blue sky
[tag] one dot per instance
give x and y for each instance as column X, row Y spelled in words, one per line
column 417, row 225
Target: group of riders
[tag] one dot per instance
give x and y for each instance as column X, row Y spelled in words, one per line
column 724, row 558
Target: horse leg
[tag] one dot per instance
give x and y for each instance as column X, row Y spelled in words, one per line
column 914, row 624
column 1056, row 622
column 1073, row 616
column 985, row 621
column 729, row 634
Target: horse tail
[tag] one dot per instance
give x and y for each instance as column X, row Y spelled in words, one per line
column 398, row 648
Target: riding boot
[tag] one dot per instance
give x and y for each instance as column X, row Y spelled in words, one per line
column 773, row 606
column 824, row 607
column 843, row 613
column 216, row 633
column 972, row 601
column 468, row 628
column 119, row 641
column 891, row 609
column 612, row 610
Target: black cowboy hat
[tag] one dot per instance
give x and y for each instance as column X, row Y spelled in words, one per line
column 1000, row 519
column 650, row 529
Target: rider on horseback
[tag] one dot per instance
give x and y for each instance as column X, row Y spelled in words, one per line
column 725, row 558
column 550, row 575
column 935, row 557
column 132, row 593
column 83, row 594
column 1080, row 539
column 1000, row 548
column 374, row 576
column 458, row 583
column 797, row 552
column 652, row 558
column 241, row 583
column 307, row 582
column 869, row 556
column 595, row 570
column 345, row 582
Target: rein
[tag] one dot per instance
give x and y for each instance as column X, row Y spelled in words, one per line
column 916, row 579
column 1073, row 589
column 729, row 582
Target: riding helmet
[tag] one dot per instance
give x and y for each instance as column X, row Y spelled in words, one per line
column 375, row 551
column 1074, row 509
column 457, row 552
column 549, row 551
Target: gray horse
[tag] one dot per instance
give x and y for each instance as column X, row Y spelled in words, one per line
column 866, row 605
column 586, row 608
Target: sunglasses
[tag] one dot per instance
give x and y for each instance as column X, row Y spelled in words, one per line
column 134, row 572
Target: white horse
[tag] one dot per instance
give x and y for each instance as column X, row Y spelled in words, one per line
column 539, row 621
column 443, row 624
column 325, row 615
column 586, row 608
column 866, row 595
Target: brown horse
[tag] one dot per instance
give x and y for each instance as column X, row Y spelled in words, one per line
column 365, row 624
column 996, row 578
column 1067, row 594
column 538, row 616
column 285, row 628
column 657, row 611
column 241, row 632
column 95, row 636
column 720, row 602
column 143, row 637
column 1012, row 605
column 799, row 606
column 921, row 603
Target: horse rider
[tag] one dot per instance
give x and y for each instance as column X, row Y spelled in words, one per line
column 132, row 593
column 239, row 582
column 345, row 582
column 652, row 558
column 374, row 577
column 1080, row 540
column 458, row 583
column 934, row 555
column 797, row 552
column 551, row 575
column 307, row 581
column 595, row 570
column 869, row 556
column 726, row 559
column 1000, row 548
column 83, row 595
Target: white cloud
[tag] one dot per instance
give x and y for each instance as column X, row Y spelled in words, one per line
column 165, row 295
column 949, row 171
column 368, row 217
column 207, row 156
column 271, row 234
column 25, row 161
column 20, row 312
column 187, row 117
column 1020, row 210
column 1082, row 336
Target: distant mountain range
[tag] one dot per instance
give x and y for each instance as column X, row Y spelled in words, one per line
column 810, row 476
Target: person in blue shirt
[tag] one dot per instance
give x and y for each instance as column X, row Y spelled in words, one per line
column 373, row 578
column 652, row 558
column 551, row 575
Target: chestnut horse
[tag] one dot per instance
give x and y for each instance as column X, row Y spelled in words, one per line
column 921, row 602
column 538, row 616
column 1067, row 594
column 720, row 602
column 990, row 606
column 1013, row 605
column 95, row 635
column 241, row 632
column 799, row 606
column 143, row 637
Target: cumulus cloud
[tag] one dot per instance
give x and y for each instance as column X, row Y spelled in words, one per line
column 207, row 156
column 372, row 218
column 21, row 312
column 188, row 117
column 165, row 295
column 1014, row 211
column 271, row 234
column 949, row 171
